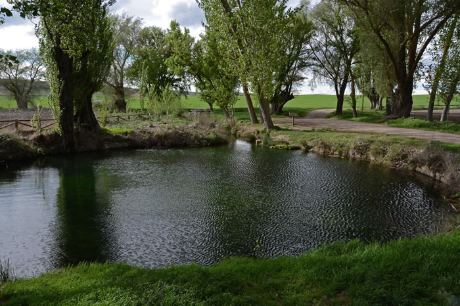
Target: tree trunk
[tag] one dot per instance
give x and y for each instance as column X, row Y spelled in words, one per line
column 22, row 101
column 340, row 100
column 353, row 97
column 261, row 114
column 85, row 118
column 65, row 67
column 211, row 107
column 440, row 69
column 251, row 109
column 120, row 102
column 445, row 112
column 279, row 101
column 341, row 96
column 381, row 103
column 402, row 104
column 265, row 109
column 450, row 96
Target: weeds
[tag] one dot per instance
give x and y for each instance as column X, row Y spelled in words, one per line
column 6, row 271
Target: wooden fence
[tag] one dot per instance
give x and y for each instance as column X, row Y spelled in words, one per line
column 43, row 124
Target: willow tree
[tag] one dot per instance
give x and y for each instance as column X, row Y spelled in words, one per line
column 440, row 54
column 160, row 64
column 215, row 79
column 256, row 29
column 73, row 42
column 294, row 59
column 334, row 46
column 404, row 29
column 126, row 36
column 221, row 17
column 449, row 84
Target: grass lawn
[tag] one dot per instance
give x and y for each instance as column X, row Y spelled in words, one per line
column 420, row 271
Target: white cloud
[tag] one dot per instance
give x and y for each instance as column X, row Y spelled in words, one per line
column 18, row 37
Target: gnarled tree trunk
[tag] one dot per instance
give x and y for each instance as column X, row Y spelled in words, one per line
column 120, row 102
column 279, row 101
column 65, row 67
column 85, row 119
column 22, row 101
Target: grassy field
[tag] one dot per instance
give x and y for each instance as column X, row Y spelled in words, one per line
column 301, row 102
column 420, row 271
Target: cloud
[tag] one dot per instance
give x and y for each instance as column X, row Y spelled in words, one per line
column 187, row 14
column 20, row 36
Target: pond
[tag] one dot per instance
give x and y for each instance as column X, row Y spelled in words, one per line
column 158, row 208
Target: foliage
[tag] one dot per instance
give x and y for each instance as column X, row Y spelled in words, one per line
column 160, row 62
column 214, row 77
column 294, row 59
column 166, row 103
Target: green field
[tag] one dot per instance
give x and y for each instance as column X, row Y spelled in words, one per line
column 419, row 271
column 301, row 102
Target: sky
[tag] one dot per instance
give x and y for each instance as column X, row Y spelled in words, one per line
column 18, row 33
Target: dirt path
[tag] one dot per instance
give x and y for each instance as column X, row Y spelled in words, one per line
column 351, row 126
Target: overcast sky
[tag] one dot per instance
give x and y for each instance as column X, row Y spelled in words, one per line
column 18, row 33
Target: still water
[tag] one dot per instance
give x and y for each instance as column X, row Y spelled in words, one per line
column 159, row 208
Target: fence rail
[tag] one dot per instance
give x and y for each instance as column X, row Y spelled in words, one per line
column 49, row 122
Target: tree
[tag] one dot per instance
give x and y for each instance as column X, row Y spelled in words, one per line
column 214, row 77
column 256, row 29
column 449, row 84
column 92, row 71
column 19, row 76
column 70, row 41
column 294, row 58
column 126, row 30
column 220, row 17
column 160, row 61
column 334, row 46
column 180, row 44
column 439, row 53
column 404, row 34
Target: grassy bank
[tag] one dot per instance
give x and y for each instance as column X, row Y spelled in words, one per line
column 410, row 123
column 420, row 271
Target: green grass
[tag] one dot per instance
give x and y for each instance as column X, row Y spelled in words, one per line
column 448, row 127
column 411, row 123
column 7, row 102
column 420, row 271
column 301, row 102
